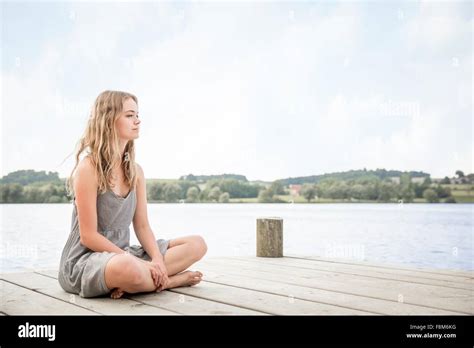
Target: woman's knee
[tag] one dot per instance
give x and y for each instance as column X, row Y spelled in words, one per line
column 199, row 247
column 123, row 269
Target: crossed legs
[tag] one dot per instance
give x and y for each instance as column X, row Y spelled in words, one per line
column 126, row 273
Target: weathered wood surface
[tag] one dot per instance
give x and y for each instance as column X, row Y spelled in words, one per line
column 269, row 237
column 292, row 285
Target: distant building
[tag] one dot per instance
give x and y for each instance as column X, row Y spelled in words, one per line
column 415, row 180
column 395, row 179
column 295, row 190
column 462, row 180
column 418, row 180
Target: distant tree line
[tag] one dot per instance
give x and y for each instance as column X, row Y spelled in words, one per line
column 214, row 190
column 352, row 175
column 378, row 190
column 205, row 178
column 25, row 177
column 461, row 178
column 29, row 186
column 51, row 192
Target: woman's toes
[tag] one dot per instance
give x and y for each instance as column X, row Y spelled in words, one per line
column 116, row 293
column 186, row 278
column 193, row 278
column 196, row 278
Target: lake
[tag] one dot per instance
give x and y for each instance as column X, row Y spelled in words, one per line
column 411, row 235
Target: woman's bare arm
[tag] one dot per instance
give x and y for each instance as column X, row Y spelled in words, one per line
column 85, row 188
column 140, row 220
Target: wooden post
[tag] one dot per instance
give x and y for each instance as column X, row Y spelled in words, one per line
column 270, row 237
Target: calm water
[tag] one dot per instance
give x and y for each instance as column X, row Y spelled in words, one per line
column 421, row 235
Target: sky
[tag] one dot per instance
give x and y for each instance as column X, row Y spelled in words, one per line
column 266, row 89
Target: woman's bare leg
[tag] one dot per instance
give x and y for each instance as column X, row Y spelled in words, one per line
column 186, row 278
column 124, row 273
column 183, row 252
column 128, row 274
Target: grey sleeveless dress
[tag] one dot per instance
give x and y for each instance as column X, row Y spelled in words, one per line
column 81, row 270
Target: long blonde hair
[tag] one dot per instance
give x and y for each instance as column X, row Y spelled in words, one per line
column 102, row 143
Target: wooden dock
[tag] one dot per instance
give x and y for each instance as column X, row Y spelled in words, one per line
column 290, row 285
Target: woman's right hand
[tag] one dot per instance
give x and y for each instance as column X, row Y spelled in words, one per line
column 156, row 273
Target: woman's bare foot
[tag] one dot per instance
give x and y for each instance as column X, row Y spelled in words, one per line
column 186, row 278
column 116, row 293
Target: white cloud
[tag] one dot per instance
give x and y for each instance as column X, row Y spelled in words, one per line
column 225, row 107
column 438, row 28
column 254, row 89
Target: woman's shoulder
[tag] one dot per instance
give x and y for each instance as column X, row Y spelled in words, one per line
column 86, row 164
column 139, row 172
column 138, row 168
column 86, row 169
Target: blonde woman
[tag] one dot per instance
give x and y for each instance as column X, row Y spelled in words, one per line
column 109, row 192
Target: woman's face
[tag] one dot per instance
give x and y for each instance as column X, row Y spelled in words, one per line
column 128, row 124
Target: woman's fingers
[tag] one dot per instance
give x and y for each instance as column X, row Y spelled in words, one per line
column 164, row 284
column 159, row 277
column 153, row 276
column 161, row 267
column 156, row 277
column 156, row 267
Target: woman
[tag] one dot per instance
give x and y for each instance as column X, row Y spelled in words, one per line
column 109, row 192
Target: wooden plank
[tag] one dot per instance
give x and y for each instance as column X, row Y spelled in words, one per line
column 441, row 280
column 418, row 270
column 253, row 280
column 104, row 305
column 52, row 273
column 327, row 287
column 191, row 305
column 261, row 301
column 17, row 300
column 348, row 269
column 272, row 283
column 175, row 302
column 466, row 277
column 457, row 300
column 262, row 263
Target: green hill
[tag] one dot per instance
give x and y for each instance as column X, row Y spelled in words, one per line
column 25, row 177
column 351, row 175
